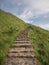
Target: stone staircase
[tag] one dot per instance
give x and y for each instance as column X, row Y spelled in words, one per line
column 22, row 52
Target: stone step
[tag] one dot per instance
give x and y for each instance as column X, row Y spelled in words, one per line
column 21, row 55
column 23, row 35
column 22, row 41
column 22, row 38
column 22, row 45
column 15, row 50
column 25, row 51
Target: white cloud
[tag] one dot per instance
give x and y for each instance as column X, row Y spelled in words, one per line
column 26, row 14
column 45, row 16
column 36, row 8
column 45, row 26
column 41, row 5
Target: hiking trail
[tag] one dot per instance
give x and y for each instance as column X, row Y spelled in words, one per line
column 22, row 52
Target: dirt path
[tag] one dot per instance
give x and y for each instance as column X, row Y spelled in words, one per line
column 22, row 52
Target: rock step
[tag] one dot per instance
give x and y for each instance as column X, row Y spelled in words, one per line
column 24, row 38
column 20, row 50
column 21, row 45
column 23, row 34
column 21, row 55
column 22, row 41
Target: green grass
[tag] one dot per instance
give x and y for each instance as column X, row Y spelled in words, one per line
column 40, row 42
column 10, row 26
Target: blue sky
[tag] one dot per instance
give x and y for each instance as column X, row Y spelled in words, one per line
column 31, row 11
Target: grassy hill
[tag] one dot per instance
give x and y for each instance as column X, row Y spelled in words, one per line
column 40, row 42
column 10, row 26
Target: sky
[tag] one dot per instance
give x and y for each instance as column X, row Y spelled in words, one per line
column 31, row 11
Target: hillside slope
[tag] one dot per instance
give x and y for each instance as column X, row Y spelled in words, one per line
column 22, row 51
column 40, row 42
column 10, row 26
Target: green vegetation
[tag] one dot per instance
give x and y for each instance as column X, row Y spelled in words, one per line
column 40, row 42
column 10, row 26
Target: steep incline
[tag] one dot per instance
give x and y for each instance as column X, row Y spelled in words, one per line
column 22, row 52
